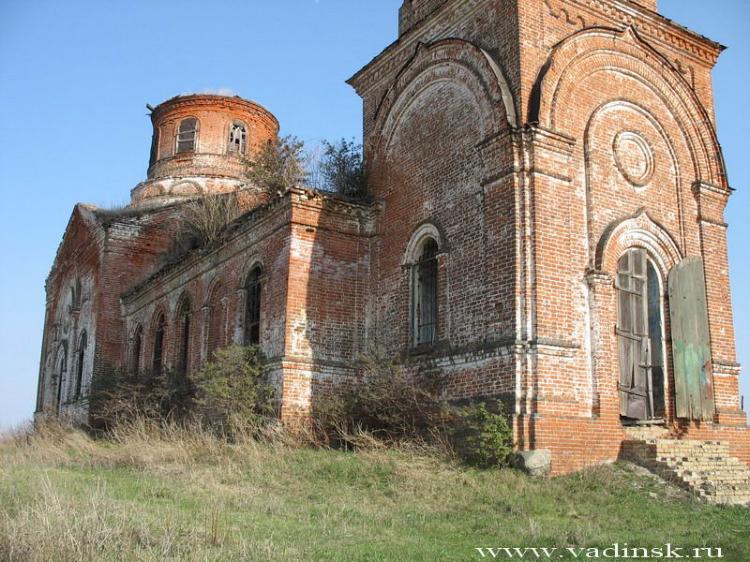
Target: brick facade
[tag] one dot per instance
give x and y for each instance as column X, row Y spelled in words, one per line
column 534, row 142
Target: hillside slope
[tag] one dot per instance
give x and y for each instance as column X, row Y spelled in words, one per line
column 179, row 496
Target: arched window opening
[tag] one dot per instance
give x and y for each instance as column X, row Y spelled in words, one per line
column 135, row 352
column 187, row 135
column 640, row 337
column 425, row 294
column 79, row 366
column 183, row 338
column 252, row 307
column 237, row 137
column 217, row 320
column 60, row 370
column 158, row 362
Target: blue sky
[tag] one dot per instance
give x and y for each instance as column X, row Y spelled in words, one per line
column 75, row 76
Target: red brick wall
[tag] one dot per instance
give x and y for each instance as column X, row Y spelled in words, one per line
column 329, row 264
column 215, row 115
column 213, row 284
column 313, row 251
column 619, row 151
column 78, row 262
column 211, row 167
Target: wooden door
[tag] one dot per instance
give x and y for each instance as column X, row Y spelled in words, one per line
column 632, row 336
column 691, row 344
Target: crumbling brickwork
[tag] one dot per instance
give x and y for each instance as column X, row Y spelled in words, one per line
column 518, row 155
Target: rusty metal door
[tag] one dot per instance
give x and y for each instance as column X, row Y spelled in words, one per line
column 691, row 344
column 632, row 336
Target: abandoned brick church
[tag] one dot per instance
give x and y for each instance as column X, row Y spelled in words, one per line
column 546, row 225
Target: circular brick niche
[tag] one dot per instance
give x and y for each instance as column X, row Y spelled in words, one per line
column 634, row 158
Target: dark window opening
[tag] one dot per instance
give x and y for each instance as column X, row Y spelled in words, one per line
column 217, row 321
column 79, row 367
column 187, row 134
column 252, row 308
column 426, row 295
column 158, row 365
column 183, row 353
column 135, row 355
column 61, row 369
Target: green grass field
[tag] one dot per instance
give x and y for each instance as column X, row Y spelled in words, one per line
column 181, row 496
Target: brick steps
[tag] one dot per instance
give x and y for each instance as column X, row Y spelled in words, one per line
column 704, row 468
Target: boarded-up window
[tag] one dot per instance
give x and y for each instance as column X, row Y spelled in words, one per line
column 187, row 134
column 691, row 344
column 237, row 137
column 252, row 308
column 425, row 297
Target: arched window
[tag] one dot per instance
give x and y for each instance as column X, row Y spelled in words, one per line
column 237, row 137
column 60, row 370
column 183, row 337
column 135, row 351
column 82, row 343
column 217, row 319
column 158, row 362
column 425, row 294
column 252, row 307
column 640, row 337
column 187, row 135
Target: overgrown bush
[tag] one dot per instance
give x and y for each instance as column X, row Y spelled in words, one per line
column 395, row 404
column 482, row 435
column 390, row 402
column 230, row 390
column 279, row 165
column 117, row 397
column 227, row 394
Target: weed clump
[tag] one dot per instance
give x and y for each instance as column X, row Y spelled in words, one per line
column 396, row 404
column 228, row 394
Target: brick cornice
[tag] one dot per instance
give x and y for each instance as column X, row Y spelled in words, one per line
column 211, row 101
column 450, row 15
column 657, row 28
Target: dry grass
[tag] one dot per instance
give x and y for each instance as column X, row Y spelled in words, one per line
column 165, row 493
